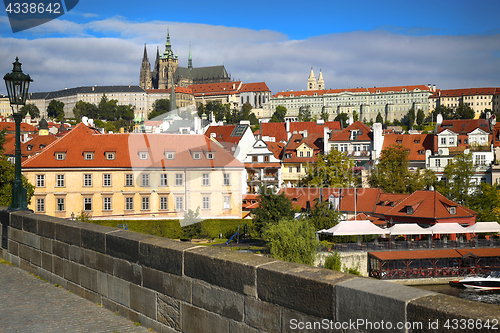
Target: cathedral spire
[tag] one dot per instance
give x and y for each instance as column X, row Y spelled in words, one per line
column 145, row 56
column 168, row 54
column 321, row 82
column 311, row 81
column 190, row 59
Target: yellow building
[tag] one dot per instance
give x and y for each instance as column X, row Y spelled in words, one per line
column 132, row 176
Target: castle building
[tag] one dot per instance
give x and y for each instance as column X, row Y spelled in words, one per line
column 166, row 70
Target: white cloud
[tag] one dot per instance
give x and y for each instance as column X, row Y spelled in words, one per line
column 355, row 59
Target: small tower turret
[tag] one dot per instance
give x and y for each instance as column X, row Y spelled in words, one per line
column 311, row 81
column 321, row 82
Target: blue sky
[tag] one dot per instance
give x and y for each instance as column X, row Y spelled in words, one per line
column 453, row 44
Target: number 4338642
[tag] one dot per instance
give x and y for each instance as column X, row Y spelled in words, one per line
column 33, row 8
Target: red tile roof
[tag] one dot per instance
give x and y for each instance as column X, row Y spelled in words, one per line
column 127, row 147
column 345, row 134
column 11, row 127
column 417, row 144
column 10, row 142
column 223, row 88
column 355, row 90
column 465, row 92
column 276, row 148
column 223, row 133
column 313, row 141
column 464, row 126
column 251, row 87
column 178, row 90
column 37, row 144
column 278, row 130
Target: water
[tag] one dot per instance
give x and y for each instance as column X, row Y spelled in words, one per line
column 485, row 296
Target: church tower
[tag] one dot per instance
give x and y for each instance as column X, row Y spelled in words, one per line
column 190, row 59
column 311, row 81
column 145, row 77
column 321, row 82
column 168, row 65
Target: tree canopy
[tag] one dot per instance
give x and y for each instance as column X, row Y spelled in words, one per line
column 457, row 183
column 464, row 111
column 305, row 114
column 391, row 173
column 343, row 118
column 334, row 169
column 108, row 110
column 272, row 208
column 322, row 216
column 32, row 109
column 160, row 106
column 486, row 202
column 279, row 115
column 56, row 109
column 379, row 118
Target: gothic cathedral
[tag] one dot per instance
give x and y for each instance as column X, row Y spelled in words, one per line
column 166, row 70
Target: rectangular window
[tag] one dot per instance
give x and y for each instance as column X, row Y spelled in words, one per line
column 145, row 179
column 290, row 169
column 298, row 169
column 106, row 179
column 227, row 202
column 197, row 156
column 255, row 159
column 206, row 179
column 301, row 154
column 60, row 181
column 443, row 141
column 169, row 155
column 40, row 180
column 179, row 203
column 179, row 179
column 163, row 179
column 88, row 156
column 129, row 203
column 60, row 204
column 266, row 158
column 308, row 154
column 143, row 155
column 227, row 179
column 40, row 205
column 60, row 156
column 87, row 203
column 163, row 203
column 129, row 179
column 106, row 203
column 451, row 141
column 145, row 203
column 110, row 155
column 210, row 156
column 87, row 180
column 438, row 163
column 206, row 202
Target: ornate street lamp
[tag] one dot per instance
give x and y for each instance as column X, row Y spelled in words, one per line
column 17, row 89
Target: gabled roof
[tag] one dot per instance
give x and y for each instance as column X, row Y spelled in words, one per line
column 313, row 141
column 11, row 127
column 227, row 133
column 465, row 92
column 464, row 126
column 127, row 147
column 37, row 143
column 208, row 89
column 278, row 130
column 208, row 72
column 252, row 87
column 417, row 144
column 364, row 133
column 429, row 205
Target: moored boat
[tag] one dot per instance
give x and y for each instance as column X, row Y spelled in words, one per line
column 485, row 281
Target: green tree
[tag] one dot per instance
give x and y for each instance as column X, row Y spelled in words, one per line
column 391, row 173
column 56, row 110
column 107, row 108
column 379, row 119
column 343, row 118
column 324, row 115
column 333, row 169
column 160, row 106
column 272, row 208
column 322, row 216
column 333, row 262
column 355, row 115
column 279, row 115
column 464, row 111
column 446, row 112
column 420, row 117
column 410, row 118
column 292, row 240
column 305, row 113
column 32, row 109
column 458, row 183
column 486, row 202
column 191, row 226
column 7, row 175
column 84, row 109
column 125, row 112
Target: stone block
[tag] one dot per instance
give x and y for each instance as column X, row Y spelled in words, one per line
column 218, row 300
column 362, row 298
column 150, row 323
column 88, row 278
column 16, row 235
column 75, row 289
column 102, row 283
column 300, row 287
column 119, row 290
column 127, row 271
column 46, row 244
column 262, row 315
column 71, row 271
column 163, row 254
column 43, row 274
column 90, row 258
column 120, row 309
column 59, row 281
column 46, row 261
column 36, row 257
column 75, row 254
column 94, row 237
column 13, row 247
column 57, row 266
column 4, row 216
column 152, row 279
column 224, row 268
column 104, row 263
column 143, row 301
column 15, row 260
column 238, row 327
column 16, row 220
column 178, row 287
column 124, row 244
column 169, row 311
column 60, row 249
column 193, row 318
column 294, row 321
column 32, row 240
column 92, row 296
column 24, row 252
column 68, row 232
column 433, row 311
column 46, row 226
column 30, row 223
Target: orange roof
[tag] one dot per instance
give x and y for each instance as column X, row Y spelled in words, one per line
column 11, row 127
column 258, row 86
column 417, row 144
column 10, row 142
column 354, row 90
column 127, row 147
column 465, row 92
column 276, row 148
column 33, row 146
column 181, row 90
column 415, row 254
column 278, row 130
column 364, row 133
column 464, row 126
column 215, row 88
column 225, row 133
column 388, row 200
column 313, row 141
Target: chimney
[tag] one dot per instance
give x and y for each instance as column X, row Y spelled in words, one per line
column 326, row 137
column 434, row 87
column 287, row 126
column 305, row 133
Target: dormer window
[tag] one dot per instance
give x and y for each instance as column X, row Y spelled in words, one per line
column 143, row 155
column 110, row 155
column 169, row 155
column 453, row 210
column 42, row 146
column 60, row 156
column 197, row 156
column 29, row 147
column 210, row 156
column 88, row 155
column 409, row 210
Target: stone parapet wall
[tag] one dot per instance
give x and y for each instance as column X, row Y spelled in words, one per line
column 171, row 286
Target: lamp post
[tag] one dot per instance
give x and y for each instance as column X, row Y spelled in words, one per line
column 17, row 89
